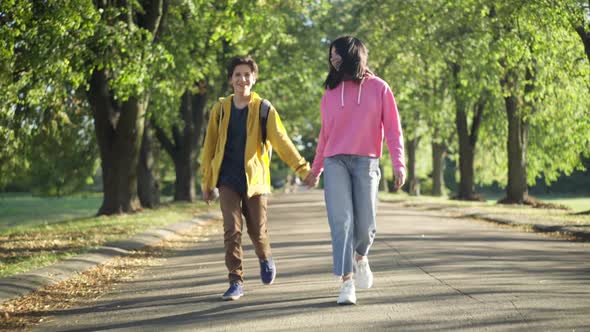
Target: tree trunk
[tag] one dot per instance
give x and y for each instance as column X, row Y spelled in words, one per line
column 185, row 147
column 413, row 183
column 183, row 156
column 184, row 186
column 466, row 157
column 119, row 129
column 439, row 151
column 585, row 36
column 148, row 184
column 467, row 140
column 119, row 124
column 518, row 130
column 516, row 191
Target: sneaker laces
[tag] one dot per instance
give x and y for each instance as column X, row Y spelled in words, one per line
column 348, row 284
column 362, row 266
column 267, row 267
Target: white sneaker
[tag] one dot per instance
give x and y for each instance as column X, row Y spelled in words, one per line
column 363, row 274
column 347, row 293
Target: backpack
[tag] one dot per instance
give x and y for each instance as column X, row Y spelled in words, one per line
column 264, row 109
column 263, row 114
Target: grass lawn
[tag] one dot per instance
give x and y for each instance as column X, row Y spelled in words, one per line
column 561, row 217
column 24, row 210
column 576, row 203
column 32, row 234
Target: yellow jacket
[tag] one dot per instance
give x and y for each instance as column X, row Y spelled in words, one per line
column 256, row 161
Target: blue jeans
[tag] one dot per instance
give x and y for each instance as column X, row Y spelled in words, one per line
column 350, row 189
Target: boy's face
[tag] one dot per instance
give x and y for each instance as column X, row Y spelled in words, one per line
column 242, row 79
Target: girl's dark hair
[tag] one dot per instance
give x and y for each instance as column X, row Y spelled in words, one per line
column 354, row 61
column 241, row 60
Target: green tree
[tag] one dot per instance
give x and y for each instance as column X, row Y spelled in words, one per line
column 62, row 152
column 293, row 64
column 39, row 58
column 125, row 57
column 201, row 51
column 390, row 38
column 540, row 85
column 194, row 35
column 471, row 73
column 413, row 60
column 577, row 12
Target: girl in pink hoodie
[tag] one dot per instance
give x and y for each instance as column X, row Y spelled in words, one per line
column 358, row 110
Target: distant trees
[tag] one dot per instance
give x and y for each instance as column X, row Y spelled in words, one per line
column 501, row 89
column 148, row 63
column 515, row 74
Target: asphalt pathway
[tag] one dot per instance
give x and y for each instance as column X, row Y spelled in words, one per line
column 432, row 272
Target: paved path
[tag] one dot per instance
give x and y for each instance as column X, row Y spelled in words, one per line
column 431, row 273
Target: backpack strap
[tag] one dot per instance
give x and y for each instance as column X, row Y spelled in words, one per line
column 263, row 113
column 264, row 109
column 220, row 117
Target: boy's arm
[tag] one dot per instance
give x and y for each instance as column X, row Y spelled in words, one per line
column 209, row 146
column 281, row 143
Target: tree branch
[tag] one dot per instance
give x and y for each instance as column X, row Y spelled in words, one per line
column 163, row 21
column 163, row 139
column 585, row 36
column 151, row 17
column 176, row 136
column 477, row 116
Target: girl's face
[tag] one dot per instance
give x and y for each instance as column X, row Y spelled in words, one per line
column 335, row 58
column 242, row 79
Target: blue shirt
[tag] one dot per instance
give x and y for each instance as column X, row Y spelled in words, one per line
column 232, row 172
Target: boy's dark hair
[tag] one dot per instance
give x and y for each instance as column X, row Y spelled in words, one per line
column 241, row 60
column 354, row 61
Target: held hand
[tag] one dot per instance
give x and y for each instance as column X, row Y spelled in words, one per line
column 400, row 178
column 208, row 196
column 311, row 181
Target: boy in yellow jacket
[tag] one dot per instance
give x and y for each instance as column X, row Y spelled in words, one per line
column 236, row 161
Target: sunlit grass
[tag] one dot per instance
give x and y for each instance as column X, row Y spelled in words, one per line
column 559, row 216
column 575, row 203
column 23, row 264
column 27, row 210
column 38, row 243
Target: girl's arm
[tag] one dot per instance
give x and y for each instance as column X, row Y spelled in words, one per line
column 393, row 131
column 318, row 161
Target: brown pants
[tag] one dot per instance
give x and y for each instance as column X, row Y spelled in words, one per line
column 233, row 205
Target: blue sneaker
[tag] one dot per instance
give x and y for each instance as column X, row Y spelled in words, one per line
column 234, row 292
column 268, row 271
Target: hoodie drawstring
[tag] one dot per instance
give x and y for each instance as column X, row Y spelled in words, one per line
column 358, row 99
column 342, row 97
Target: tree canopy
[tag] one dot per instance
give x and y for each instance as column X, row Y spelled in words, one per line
column 500, row 88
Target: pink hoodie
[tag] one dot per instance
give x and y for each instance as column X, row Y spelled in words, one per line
column 355, row 118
